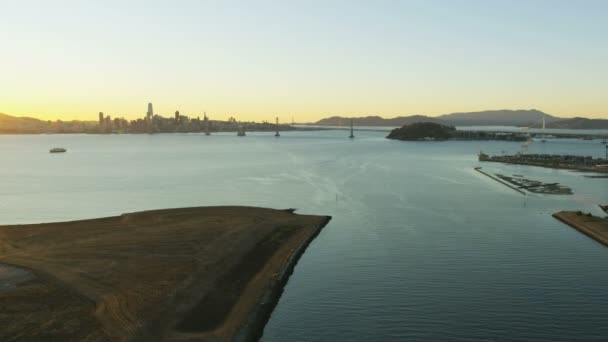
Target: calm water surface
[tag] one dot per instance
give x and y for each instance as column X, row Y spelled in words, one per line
column 421, row 247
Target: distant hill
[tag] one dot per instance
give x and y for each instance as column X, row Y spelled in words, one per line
column 577, row 123
column 374, row 121
column 25, row 125
column 497, row 118
column 483, row 118
column 11, row 124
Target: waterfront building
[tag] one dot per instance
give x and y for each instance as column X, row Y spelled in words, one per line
column 101, row 122
column 108, row 124
column 206, row 119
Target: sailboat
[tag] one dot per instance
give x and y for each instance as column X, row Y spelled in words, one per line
column 543, row 136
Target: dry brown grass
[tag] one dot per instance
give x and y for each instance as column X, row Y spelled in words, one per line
column 592, row 226
column 176, row 274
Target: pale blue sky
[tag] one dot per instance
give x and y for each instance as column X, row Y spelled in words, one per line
column 309, row 59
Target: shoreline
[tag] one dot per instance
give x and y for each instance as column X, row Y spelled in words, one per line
column 549, row 164
column 147, row 275
column 253, row 328
column 569, row 168
column 594, row 227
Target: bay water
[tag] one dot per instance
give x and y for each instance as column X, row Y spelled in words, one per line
column 421, row 247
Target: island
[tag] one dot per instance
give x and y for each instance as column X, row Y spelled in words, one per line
column 592, row 226
column 433, row 131
column 422, row 131
column 196, row 274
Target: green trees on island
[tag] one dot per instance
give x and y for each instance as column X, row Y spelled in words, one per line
column 422, row 131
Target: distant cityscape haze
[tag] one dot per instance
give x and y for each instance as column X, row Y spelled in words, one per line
column 307, row 60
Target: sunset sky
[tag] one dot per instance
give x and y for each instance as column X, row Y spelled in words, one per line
column 304, row 59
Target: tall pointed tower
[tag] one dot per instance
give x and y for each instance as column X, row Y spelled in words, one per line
column 150, row 112
column 149, row 117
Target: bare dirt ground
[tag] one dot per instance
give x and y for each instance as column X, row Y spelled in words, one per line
column 592, row 226
column 191, row 274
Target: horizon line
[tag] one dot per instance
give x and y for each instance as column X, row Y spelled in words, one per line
column 326, row 116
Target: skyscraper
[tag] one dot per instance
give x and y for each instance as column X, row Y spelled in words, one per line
column 108, row 124
column 177, row 116
column 150, row 111
column 102, row 125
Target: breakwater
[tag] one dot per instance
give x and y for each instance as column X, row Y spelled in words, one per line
column 555, row 161
column 478, row 169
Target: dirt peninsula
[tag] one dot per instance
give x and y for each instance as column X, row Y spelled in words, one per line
column 189, row 274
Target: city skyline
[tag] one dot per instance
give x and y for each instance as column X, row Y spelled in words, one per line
column 257, row 61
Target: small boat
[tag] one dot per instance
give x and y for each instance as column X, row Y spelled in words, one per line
column 58, row 150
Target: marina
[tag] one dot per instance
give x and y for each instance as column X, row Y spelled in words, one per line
column 536, row 186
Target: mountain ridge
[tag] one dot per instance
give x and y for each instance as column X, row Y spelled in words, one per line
column 504, row 117
column 522, row 118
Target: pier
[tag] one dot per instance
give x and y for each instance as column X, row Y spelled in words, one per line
column 478, row 169
column 554, row 161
